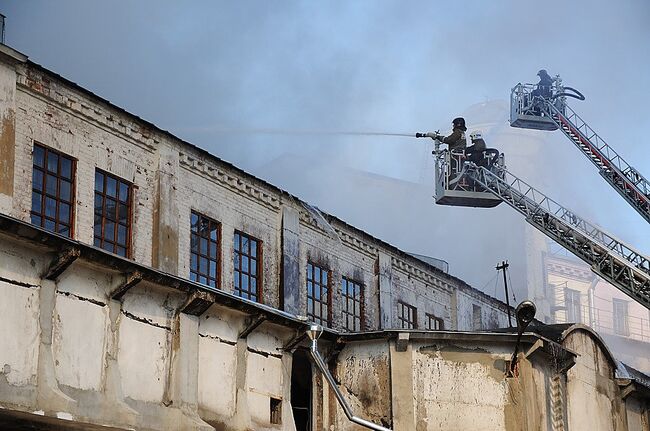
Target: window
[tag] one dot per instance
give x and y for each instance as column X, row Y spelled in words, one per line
column 572, row 299
column 276, row 411
column 247, row 267
column 407, row 315
column 352, row 296
column 113, row 213
column 319, row 299
column 621, row 326
column 204, row 250
column 434, row 323
column 477, row 318
column 52, row 190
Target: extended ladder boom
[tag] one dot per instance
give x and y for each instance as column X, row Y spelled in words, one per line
column 626, row 180
column 610, row 258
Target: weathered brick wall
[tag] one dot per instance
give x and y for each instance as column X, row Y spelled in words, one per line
column 58, row 117
column 419, row 288
column 173, row 178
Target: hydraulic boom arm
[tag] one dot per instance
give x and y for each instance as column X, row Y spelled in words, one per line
column 626, row 180
column 610, row 258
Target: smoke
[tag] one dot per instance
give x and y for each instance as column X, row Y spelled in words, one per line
column 267, row 85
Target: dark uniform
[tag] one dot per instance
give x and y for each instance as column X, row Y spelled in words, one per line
column 456, row 142
column 475, row 151
column 544, row 85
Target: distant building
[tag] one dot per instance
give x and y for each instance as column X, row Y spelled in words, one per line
column 147, row 284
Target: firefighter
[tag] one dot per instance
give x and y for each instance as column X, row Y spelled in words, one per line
column 475, row 152
column 544, row 85
column 456, row 142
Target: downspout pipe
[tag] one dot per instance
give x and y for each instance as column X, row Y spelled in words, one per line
column 314, row 332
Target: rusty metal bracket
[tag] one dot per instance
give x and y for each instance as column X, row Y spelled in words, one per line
column 251, row 325
column 62, row 261
column 198, row 303
column 131, row 279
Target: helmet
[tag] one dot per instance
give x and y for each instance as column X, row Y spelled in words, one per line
column 542, row 72
column 476, row 135
column 460, row 123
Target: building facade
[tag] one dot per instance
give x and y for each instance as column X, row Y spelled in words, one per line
column 148, row 284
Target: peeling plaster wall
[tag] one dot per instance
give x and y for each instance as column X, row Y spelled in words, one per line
column 441, row 384
column 591, row 389
column 66, row 347
column 459, row 387
column 363, row 369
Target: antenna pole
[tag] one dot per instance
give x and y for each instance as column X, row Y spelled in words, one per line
column 504, row 266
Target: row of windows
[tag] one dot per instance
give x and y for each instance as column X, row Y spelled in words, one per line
column 53, row 209
column 574, row 310
column 407, row 315
column 53, row 191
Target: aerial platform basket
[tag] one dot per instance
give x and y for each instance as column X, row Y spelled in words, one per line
column 455, row 188
column 526, row 109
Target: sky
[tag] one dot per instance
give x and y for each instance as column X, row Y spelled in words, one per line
column 215, row 73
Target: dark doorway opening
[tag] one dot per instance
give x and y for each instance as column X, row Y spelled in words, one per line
column 301, row 390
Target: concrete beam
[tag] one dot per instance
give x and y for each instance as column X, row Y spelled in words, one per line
column 130, row 280
column 292, row 343
column 402, row 342
column 251, row 325
column 198, row 303
column 61, row 262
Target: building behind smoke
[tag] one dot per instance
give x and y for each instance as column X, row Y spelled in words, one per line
column 148, row 284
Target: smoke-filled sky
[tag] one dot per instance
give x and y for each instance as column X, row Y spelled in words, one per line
column 200, row 68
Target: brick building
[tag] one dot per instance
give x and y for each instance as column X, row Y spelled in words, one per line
column 148, row 284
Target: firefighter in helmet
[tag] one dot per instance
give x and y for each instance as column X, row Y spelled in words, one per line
column 544, row 85
column 456, row 141
column 475, row 151
column 457, row 144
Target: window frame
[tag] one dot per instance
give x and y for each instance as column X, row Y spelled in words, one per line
column 259, row 277
column 432, row 318
column 617, row 318
column 576, row 307
column 129, row 216
column 217, row 258
column 311, row 314
column 345, row 311
column 412, row 310
column 43, row 192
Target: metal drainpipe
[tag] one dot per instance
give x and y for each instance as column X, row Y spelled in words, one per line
column 314, row 332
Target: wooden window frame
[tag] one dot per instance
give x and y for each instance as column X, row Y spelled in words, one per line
column 319, row 318
column 432, row 319
column 403, row 318
column 128, row 246
column 195, row 272
column 238, row 274
column 44, row 170
column 351, row 315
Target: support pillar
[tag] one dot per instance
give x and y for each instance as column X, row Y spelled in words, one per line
column 166, row 224
column 290, row 292
column 385, row 291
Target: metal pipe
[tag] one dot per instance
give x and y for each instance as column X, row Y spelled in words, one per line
column 314, row 332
